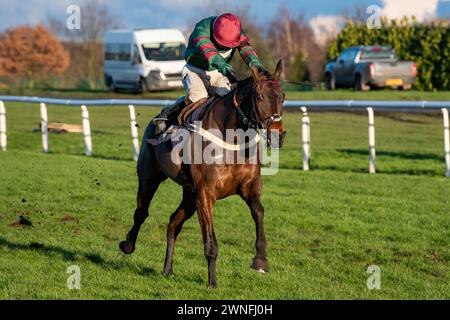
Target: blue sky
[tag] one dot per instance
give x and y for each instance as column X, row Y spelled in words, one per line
column 182, row 13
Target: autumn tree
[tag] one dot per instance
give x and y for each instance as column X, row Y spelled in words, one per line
column 31, row 53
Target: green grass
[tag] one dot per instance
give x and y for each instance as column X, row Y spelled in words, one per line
column 323, row 227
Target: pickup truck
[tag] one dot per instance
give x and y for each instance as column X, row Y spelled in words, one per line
column 366, row 67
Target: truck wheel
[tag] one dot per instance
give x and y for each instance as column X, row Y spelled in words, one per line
column 330, row 83
column 360, row 85
column 142, row 86
column 405, row 87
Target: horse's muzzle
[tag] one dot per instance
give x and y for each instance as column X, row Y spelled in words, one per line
column 275, row 139
column 276, row 135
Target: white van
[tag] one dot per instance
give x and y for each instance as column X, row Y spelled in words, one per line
column 144, row 59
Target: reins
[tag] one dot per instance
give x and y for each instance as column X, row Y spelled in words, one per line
column 254, row 123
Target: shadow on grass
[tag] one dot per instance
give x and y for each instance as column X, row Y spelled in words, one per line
column 413, row 172
column 394, row 154
column 116, row 158
column 365, row 170
column 74, row 256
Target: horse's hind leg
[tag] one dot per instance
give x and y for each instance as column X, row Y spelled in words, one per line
column 146, row 191
column 185, row 210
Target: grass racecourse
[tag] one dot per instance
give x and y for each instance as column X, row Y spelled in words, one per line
column 324, row 227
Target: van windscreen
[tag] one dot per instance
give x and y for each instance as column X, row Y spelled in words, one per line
column 164, row 51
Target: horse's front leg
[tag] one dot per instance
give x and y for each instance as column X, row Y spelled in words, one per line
column 204, row 203
column 251, row 193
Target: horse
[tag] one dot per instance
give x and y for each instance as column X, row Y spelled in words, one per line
column 256, row 102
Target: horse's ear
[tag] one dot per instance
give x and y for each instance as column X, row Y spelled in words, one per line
column 256, row 73
column 278, row 70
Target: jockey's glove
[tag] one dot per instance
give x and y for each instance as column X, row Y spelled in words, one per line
column 219, row 63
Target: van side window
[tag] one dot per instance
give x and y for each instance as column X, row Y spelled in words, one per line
column 117, row 51
column 136, row 55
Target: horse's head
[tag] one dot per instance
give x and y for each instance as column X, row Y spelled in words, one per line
column 268, row 103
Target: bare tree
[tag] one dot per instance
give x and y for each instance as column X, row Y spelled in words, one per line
column 87, row 42
column 356, row 14
column 292, row 38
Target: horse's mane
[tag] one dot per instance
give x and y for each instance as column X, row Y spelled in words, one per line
column 263, row 73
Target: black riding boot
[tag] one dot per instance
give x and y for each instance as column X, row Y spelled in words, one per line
column 173, row 111
column 169, row 113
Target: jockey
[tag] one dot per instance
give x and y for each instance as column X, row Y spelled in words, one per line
column 210, row 49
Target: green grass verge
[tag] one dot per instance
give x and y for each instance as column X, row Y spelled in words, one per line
column 323, row 227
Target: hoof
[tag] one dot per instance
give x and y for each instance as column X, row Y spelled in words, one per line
column 261, row 266
column 167, row 273
column 126, row 247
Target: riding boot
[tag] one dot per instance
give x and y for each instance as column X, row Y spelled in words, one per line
column 168, row 113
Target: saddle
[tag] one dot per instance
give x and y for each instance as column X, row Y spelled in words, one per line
column 190, row 114
column 195, row 111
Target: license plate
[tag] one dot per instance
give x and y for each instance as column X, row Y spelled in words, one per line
column 174, row 83
column 394, row 82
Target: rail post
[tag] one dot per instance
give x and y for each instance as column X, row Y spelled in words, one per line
column 86, row 131
column 134, row 132
column 2, row 127
column 446, row 142
column 44, row 127
column 372, row 165
column 306, row 139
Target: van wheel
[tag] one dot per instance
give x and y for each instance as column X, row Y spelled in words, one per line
column 360, row 85
column 112, row 87
column 330, row 82
column 142, row 86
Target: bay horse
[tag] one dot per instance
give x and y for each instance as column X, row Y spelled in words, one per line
column 256, row 102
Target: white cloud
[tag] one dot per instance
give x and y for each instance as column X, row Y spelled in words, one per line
column 182, row 3
column 326, row 27
column 421, row 9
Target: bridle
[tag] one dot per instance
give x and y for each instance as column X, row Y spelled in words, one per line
column 252, row 121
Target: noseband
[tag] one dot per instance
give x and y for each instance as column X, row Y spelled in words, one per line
column 256, row 123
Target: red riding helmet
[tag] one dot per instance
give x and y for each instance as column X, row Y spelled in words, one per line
column 227, row 30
